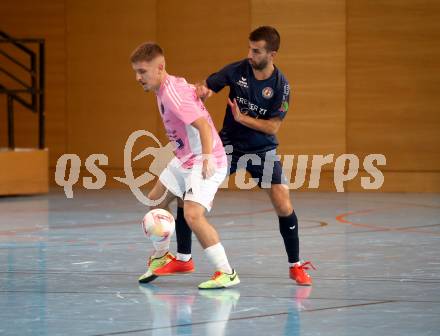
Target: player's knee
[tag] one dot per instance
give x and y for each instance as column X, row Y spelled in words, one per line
column 284, row 209
column 192, row 215
column 153, row 197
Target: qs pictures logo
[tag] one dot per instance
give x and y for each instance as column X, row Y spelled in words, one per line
column 345, row 167
column 162, row 156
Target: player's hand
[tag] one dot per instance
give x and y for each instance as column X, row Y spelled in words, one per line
column 238, row 116
column 202, row 91
column 208, row 166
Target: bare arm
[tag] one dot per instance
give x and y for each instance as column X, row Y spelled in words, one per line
column 204, row 129
column 269, row 126
column 202, row 91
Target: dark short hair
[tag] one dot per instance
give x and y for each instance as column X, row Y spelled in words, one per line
column 147, row 51
column 268, row 34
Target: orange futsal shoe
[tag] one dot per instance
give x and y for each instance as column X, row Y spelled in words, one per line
column 298, row 273
column 175, row 267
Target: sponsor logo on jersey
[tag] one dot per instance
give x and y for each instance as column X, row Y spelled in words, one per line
column 243, row 82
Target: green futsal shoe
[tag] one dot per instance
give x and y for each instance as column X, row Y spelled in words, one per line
column 153, row 264
column 221, row 280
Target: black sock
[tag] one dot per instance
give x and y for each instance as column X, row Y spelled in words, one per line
column 289, row 232
column 183, row 233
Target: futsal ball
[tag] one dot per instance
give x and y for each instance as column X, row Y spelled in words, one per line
column 158, row 225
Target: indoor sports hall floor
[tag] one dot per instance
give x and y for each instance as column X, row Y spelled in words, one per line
column 70, row 267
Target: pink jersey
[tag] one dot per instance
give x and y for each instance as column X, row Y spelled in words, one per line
column 179, row 106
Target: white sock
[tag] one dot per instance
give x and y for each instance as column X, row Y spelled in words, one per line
column 217, row 256
column 161, row 248
column 183, row 257
column 296, row 263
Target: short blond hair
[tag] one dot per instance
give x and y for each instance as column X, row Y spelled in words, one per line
column 147, row 52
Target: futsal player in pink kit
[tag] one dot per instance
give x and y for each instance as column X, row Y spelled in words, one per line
column 198, row 169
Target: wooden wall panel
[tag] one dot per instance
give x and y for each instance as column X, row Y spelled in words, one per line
column 312, row 56
column 15, row 176
column 3, row 122
column 364, row 75
column 421, row 181
column 393, row 76
column 105, row 103
column 40, row 19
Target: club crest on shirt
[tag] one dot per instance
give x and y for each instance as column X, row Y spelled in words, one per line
column 267, row 92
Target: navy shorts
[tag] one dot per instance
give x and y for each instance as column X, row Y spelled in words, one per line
column 265, row 168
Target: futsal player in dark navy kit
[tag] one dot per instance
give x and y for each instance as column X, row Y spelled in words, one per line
column 258, row 102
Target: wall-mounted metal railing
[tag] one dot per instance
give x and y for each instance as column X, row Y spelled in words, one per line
column 28, row 92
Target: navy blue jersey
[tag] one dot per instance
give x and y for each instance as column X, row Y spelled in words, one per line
column 262, row 99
